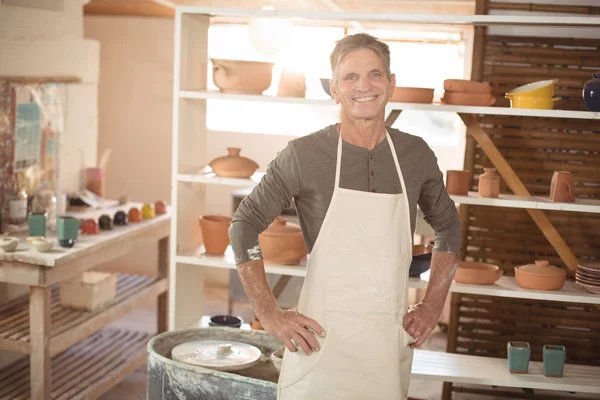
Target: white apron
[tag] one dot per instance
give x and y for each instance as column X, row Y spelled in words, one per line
column 356, row 288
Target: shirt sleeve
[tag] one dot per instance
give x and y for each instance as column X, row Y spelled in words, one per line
column 270, row 197
column 439, row 209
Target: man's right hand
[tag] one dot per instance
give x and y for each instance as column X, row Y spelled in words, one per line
column 289, row 324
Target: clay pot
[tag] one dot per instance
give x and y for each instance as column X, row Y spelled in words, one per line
column 148, row 211
column 247, row 77
column 120, row 218
column 466, row 86
column 233, row 165
column 215, row 233
column 89, row 226
column 477, row 273
column 134, row 215
column 591, row 93
column 412, row 95
column 562, row 188
column 540, row 276
column 291, row 84
column 282, row 243
column 105, row 222
column 489, row 183
column 457, row 182
column 468, row 99
column 160, row 207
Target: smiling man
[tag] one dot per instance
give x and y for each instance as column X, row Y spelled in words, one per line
column 356, row 186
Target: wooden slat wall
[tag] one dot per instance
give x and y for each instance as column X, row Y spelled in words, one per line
column 535, row 148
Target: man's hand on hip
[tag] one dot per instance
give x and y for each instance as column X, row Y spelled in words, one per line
column 420, row 320
column 288, row 325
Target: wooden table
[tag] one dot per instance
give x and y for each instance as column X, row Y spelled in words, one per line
column 86, row 360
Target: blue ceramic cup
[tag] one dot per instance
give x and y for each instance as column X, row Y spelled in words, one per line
column 519, row 354
column 37, row 224
column 67, row 229
column 554, row 360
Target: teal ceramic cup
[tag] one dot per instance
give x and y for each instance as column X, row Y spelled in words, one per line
column 519, row 354
column 67, row 229
column 554, row 360
column 37, row 224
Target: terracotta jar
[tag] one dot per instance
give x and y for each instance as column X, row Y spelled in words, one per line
column 233, row 165
column 457, row 182
column 215, row 233
column 562, row 188
column 282, row 243
column 477, row 273
column 489, row 183
column 540, row 276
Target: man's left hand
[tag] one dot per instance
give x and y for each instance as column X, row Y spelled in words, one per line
column 420, row 320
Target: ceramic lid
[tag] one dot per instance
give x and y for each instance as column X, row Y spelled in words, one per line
column 280, row 226
column 542, row 268
column 222, row 355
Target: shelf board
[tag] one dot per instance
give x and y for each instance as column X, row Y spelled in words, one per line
column 437, row 19
column 504, row 287
column 209, row 177
column 69, row 326
column 529, row 202
column 86, row 370
column 520, row 112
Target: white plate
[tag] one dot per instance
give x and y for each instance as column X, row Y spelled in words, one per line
column 220, row 355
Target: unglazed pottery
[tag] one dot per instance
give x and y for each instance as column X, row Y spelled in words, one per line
column 457, row 182
column 120, row 218
column 466, row 86
column 220, row 355
column 9, row 243
column 134, row 215
column 160, row 207
column 291, row 84
column 468, row 99
column 105, row 222
column 89, row 226
column 540, row 276
column 282, row 243
column 235, row 76
column 43, row 245
column 554, row 360
column 412, row 95
column 215, row 233
column 562, row 188
column 477, row 273
column 519, row 354
column 591, row 93
column 233, row 165
column 489, row 183
column 148, row 211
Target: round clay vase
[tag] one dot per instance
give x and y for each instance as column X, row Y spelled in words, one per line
column 457, row 182
column 233, row 165
column 134, row 215
column 562, row 188
column 540, row 276
column 477, row 273
column 215, row 233
column 120, row 218
column 160, row 207
column 591, row 93
column 282, row 243
column 148, row 211
column 489, row 183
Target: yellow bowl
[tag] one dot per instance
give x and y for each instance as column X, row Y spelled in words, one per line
column 540, row 103
column 535, row 89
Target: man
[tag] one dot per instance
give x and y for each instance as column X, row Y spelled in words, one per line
column 356, row 186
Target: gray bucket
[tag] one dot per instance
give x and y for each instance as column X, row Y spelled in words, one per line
column 175, row 380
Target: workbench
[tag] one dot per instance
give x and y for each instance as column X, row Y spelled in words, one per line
column 71, row 355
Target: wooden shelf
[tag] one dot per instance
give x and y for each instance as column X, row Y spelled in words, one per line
column 504, row 287
column 70, row 326
column 530, row 202
column 86, row 370
column 476, row 370
column 209, row 177
column 520, row 112
column 437, row 19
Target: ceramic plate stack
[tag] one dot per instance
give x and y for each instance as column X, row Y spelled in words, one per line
column 588, row 276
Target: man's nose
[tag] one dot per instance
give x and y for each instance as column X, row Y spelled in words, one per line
column 363, row 84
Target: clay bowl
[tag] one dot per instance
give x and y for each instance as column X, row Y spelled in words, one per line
column 468, row 99
column 540, row 276
column 225, row 320
column 9, row 243
column 215, row 233
column 282, row 243
column 477, row 273
column 421, row 261
column 412, row 95
column 466, row 86
column 237, row 76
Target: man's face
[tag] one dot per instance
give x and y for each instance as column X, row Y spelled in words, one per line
column 363, row 87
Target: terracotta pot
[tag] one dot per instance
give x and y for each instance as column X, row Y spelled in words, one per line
column 489, row 183
column 134, row 215
column 291, row 84
column 466, row 86
column 233, row 165
column 412, row 95
column 244, row 77
column 468, row 99
column 457, row 182
column 282, row 243
column 89, row 226
column 160, row 207
column 562, row 188
column 215, row 233
column 477, row 273
column 540, row 276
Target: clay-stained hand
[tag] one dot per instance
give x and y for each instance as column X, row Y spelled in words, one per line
column 289, row 324
column 420, row 320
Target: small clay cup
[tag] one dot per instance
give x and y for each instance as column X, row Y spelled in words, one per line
column 134, row 215
column 89, row 226
column 120, row 218
column 215, row 233
column 519, row 354
column 562, row 189
column 160, row 207
column 554, row 360
column 105, row 222
column 489, row 183
column 457, row 182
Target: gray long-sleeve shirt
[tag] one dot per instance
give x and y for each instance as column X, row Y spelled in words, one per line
column 305, row 172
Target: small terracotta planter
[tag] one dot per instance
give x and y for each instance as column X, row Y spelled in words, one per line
column 540, row 276
column 477, row 273
column 466, row 86
column 489, row 183
column 233, row 165
column 562, row 188
column 215, row 233
column 457, row 182
column 282, row 243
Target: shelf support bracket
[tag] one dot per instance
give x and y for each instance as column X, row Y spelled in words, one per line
column 392, row 117
column 518, row 188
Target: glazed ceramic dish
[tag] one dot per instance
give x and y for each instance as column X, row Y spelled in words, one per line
column 220, row 355
column 477, row 273
column 540, row 276
column 539, row 103
column 535, row 89
column 588, row 276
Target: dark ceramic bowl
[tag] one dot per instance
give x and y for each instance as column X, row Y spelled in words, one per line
column 226, row 320
column 325, row 85
column 421, row 261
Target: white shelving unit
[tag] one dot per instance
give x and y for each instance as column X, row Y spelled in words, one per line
column 189, row 178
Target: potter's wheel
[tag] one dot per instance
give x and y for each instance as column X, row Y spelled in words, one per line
column 221, row 355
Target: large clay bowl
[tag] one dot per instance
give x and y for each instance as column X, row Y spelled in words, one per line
column 243, row 77
column 215, row 233
column 412, row 95
column 477, row 273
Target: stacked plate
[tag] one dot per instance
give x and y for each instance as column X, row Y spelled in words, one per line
column 588, row 276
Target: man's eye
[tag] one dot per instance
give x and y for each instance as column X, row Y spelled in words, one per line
column 376, row 75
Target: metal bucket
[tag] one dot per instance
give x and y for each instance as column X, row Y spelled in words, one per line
column 175, row 380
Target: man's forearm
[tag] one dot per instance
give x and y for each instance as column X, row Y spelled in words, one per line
column 443, row 268
column 252, row 275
